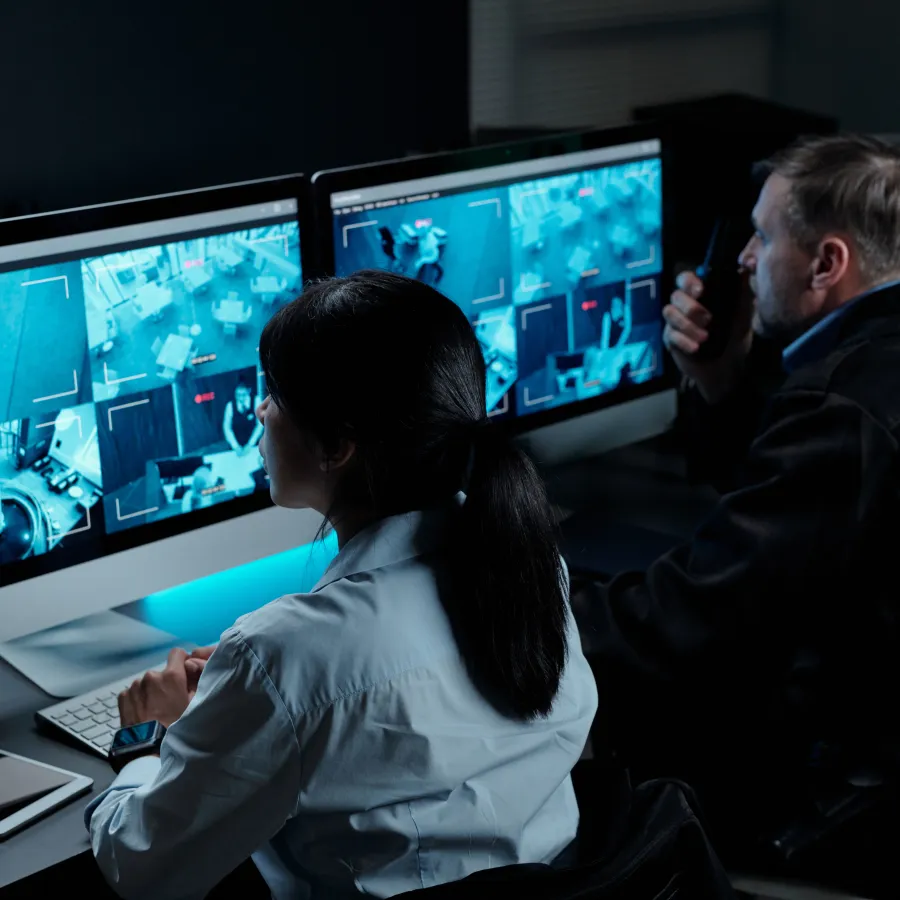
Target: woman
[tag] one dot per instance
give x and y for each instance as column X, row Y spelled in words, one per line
column 240, row 425
column 415, row 717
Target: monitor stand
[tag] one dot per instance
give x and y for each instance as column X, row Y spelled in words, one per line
column 83, row 655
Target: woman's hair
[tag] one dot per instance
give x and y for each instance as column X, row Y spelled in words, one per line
column 394, row 366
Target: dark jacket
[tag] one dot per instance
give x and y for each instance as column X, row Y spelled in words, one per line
column 778, row 626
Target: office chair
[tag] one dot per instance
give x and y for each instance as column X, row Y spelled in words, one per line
column 644, row 843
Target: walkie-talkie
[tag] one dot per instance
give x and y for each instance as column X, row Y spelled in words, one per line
column 722, row 283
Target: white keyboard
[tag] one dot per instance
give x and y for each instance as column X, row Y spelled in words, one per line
column 92, row 718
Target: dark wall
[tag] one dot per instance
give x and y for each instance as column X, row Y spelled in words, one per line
column 841, row 59
column 105, row 100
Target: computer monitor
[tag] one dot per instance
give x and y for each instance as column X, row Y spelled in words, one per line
column 129, row 337
column 556, row 251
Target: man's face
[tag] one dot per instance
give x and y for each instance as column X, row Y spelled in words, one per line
column 779, row 268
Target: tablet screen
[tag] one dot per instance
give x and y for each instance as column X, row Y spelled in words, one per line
column 23, row 782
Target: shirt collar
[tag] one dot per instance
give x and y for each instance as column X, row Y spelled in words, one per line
column 389, row 541
column 821, row 339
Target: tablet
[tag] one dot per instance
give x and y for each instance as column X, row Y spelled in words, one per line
column 30, row 789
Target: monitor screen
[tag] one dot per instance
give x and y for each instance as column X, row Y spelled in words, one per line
column 129, row 376
column 556, row 261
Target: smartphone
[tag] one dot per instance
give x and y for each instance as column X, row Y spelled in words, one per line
column 722, row 280
column 30, row 789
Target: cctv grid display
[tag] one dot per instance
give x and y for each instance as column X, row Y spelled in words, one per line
column 558, row 272
column 128, row 382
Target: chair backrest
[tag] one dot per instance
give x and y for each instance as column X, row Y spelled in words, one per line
column 656, row 850
column 156, row 346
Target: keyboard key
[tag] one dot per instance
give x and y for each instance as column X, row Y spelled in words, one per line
column 103, row 742
column 96, row 708
column 102, row 718
column 81, row 713
column 95, row 732
column 59, row 713
column 81, row 727
column 67, row 721
column 112, row 702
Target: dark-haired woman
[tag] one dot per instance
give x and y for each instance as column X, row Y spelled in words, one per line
column 416, row 716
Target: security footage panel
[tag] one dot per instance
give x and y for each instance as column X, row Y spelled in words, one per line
column 559, row 274
column 129, row 382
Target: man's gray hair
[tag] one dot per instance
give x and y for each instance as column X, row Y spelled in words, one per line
column 847, row 184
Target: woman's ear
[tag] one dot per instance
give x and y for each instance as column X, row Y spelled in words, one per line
column 344, row 454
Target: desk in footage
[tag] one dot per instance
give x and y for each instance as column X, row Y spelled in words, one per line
column 643, row 487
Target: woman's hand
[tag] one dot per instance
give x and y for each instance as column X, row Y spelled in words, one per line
column 163, row 696
column 195, row 664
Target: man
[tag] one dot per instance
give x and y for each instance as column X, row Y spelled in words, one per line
column 739, row 658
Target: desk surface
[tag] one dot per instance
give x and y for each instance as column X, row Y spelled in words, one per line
column 62, row 834
column 639, row 485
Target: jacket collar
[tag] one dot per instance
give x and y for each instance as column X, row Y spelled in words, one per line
column 824, row 336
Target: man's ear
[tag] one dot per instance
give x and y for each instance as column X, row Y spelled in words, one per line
column 831, row 262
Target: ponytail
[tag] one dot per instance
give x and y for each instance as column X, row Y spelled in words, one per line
column 511, row 606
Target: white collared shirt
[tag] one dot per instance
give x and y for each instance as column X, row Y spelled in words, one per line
column 337, row 737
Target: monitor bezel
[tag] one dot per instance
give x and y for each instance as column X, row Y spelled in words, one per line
column 132, row 212
column 331, row 181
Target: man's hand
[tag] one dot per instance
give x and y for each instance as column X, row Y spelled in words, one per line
column 161, row 695
column 687, row 324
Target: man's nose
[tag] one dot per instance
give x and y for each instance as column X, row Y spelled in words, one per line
column 747, row 258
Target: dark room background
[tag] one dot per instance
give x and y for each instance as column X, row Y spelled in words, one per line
column 105, row 100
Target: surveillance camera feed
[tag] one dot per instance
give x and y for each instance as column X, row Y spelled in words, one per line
column 556, row 262
column 138, row 403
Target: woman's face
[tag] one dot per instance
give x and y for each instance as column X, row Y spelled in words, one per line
column 293, row 463
column 242, row 397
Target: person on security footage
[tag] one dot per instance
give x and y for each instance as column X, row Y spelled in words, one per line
column 774, row 633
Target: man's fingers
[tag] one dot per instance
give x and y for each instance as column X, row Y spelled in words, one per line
column 694, row 310
column 677, row 341
column 689, row 283
column 679, row 322
column 203, row 652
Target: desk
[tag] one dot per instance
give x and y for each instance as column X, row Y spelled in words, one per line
column 579, row 263
column 641, row 485
column 235, row 471
column 228, row 259
column 151, row 300
column 531, row 234
column 61, row 835
column 267, row 286
column 175, row 353
column 230, row 312
column 570, row 214
column 195, row 279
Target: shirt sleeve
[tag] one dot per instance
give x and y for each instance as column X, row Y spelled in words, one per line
column 725, row 612
column 226, row 781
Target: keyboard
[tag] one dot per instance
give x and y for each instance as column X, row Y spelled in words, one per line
column 92, row 718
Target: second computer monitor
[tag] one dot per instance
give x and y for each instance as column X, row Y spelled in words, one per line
column 556, row 261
